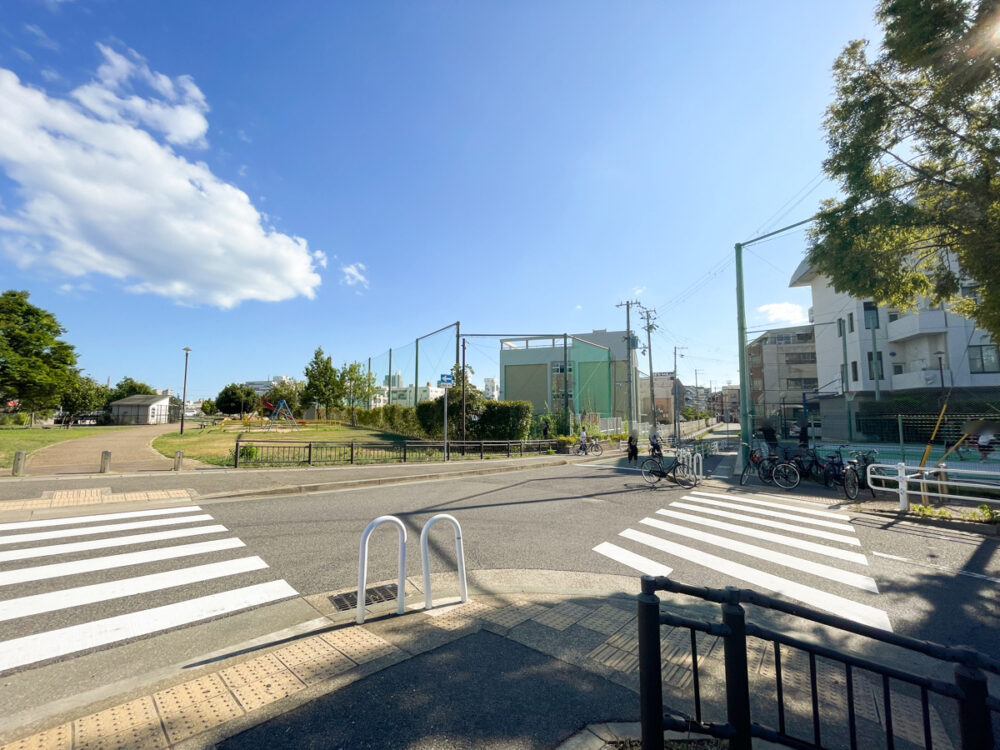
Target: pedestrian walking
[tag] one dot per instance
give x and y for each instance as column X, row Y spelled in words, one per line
column 985, row 443
column 545, row 429
column 633, row 448
column 583, row 440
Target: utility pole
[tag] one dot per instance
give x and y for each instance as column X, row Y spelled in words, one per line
column 463, row 392
column 628, row 354
column 697, row 393
column 677, row 392
column 650, row 326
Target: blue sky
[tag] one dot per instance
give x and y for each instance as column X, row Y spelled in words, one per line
column 254, row 179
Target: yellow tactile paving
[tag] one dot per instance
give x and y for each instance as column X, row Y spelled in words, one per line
column 57, row 738
column 359, row 644
column 320, row 670
column 136, row 717
column 457, row 617
column 514, row 614
column 563, row 615
column 178, row 697
column 147, row 739
column 275, row 686
column 254, row 670
column 200, row 717
column 308, row 649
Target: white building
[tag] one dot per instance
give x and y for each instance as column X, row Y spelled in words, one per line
column 860, row 345
column 491, row 388
column 260, row 387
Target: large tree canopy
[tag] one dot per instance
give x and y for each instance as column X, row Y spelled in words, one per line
column 914, row 138
column 36, row 366
column 323, row 385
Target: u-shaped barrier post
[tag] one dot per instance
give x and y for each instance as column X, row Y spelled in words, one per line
column 363, row 565
column 459, row 553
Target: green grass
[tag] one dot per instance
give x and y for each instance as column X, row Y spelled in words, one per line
column 214, row 445
column 13, row 439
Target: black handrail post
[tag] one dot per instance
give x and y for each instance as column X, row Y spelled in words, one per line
column 508, row 449
column 737, row 679
column 974, row 718
column 482, row 451
column 352, row 452
column 310, row 453
column 650, row 675
column 236, row 454
column 404, row 451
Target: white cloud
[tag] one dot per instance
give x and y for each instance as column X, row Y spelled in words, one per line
column 50, row 75
column 784, row 312
column 638, row 290
column 242, row 171
column 578, row 307
column 101, row 194
column 354, row 274
column 241, row 134
column 41, row 38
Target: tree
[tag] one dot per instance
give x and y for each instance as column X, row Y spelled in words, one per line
column 129, row 387
column 358, row 386
column 290, row 391
column 323, row 384
column 82, row 396
column 236, row 399
column 36, row 366
column 914, row 138
column 208, row 407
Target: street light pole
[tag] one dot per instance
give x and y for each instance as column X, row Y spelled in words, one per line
column 187, row 352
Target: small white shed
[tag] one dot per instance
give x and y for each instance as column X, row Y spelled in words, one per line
column 141, row 410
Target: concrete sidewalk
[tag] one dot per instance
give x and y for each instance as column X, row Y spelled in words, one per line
column 535, row 659
column 131, row 450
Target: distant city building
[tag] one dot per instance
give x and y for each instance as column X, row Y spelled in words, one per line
column 491, row 388
column 782, row 366
column 260, row 387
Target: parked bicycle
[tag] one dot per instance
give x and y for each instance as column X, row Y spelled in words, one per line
column 653, row 470
column 809, row 465
column 861, row 460
column 594, row 447
column 770, row 469
column 836, row 471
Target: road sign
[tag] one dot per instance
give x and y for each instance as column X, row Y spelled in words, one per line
column 446, row 381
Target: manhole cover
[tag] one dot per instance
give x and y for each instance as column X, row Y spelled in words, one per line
column 374, row 595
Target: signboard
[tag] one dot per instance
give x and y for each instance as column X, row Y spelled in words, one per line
column 446, row 381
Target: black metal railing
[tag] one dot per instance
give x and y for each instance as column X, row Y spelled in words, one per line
column 256, row 452
column 970, row 689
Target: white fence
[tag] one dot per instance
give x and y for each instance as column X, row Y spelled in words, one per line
column 940, row 482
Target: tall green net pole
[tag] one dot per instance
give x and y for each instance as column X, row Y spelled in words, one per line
column 566, row 383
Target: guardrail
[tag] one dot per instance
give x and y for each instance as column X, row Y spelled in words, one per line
column 942, row 482
column 258, row 452
column 970, row 690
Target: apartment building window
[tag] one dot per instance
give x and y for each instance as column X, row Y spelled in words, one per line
column 871, row 315
column 557, row 368
column 800, row 358
column 893, row 316
column 854, row 371
column 803, row 384
column 897, row 369
column 881, row 372
column 850, row 322
column 971, row 291
column 840, row 328
column 984, row 358
column 843, row 376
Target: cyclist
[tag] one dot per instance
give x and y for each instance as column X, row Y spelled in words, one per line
column 583, row 441
column 633, row 448
column 655, row 446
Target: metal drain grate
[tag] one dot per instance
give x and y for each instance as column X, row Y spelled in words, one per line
column 374, row 595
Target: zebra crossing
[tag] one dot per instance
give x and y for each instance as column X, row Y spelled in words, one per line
column 766, row 542
column 68, row 585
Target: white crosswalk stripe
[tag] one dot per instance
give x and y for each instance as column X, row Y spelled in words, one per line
column 688, row 539
column 62, row 606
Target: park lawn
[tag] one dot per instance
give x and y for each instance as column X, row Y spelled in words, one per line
column 213, row 445
column 13, row 439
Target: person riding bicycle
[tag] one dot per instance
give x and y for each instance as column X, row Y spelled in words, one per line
column 655, row 445
column 583, row 440
column 633, row 448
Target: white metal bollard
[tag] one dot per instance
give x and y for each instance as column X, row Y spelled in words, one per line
column 178, row 460
column 363, row 565
column 459, row 553
column 904, row 499
column 19, row 459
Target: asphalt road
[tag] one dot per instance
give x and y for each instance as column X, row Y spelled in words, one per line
column 928, row 582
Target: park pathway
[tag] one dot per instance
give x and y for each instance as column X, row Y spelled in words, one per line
column 131, row 451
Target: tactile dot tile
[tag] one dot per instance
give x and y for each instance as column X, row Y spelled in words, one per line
column 456, row 618
column 277, row 685
column 607, row 619
column 308, row 649
column 57, row 738
column 359, row 644
column 200, row 717
column 135, row 716
column 175, row 699
column 514, row 614
column 320, row 670
column 563, row 615
column 147, row 738
column 255, row 670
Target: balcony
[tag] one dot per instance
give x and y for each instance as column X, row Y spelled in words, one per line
column 921, row 323
column 929, row 378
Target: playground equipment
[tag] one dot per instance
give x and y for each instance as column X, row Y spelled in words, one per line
column 281, row 411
